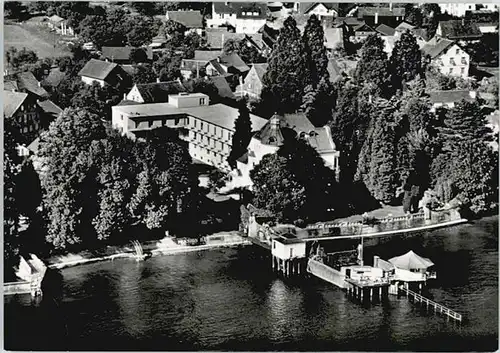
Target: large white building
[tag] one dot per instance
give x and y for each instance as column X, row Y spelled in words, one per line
column 244, row 17
column 208, row 129
column 448, row 57
column 271, row 137
column 456, row 8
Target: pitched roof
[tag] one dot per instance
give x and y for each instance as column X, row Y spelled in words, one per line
column 403, row 26
column 190, row 19
column 158, row 92
column 234, row 60
column 319, row 138
column 10, row 85
column 55, row 18
column 385, row 30
column 260, row 69
column 54, row 78
column 97, row 69
column 411, row 261
column 363, row 28
column 216, row 39
column 122, row 53
column 190, row 64
column 206, row 55
column 27, row 81
column 12, row 101
column 451, row 96
column 350, row 21
column 328, row 5
column 382, row 11
column 436, row 49
column 458, row 29
column 222, row 86
column 269, row 35
column 49, row 107
column 33, row 146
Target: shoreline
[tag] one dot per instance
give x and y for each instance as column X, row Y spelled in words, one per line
column 154, row 252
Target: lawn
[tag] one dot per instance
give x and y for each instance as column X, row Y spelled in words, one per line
column 34, row 38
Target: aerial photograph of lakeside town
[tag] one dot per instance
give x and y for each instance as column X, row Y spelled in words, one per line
column 250, row 176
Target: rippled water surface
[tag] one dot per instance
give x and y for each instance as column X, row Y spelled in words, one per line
column 228, row 299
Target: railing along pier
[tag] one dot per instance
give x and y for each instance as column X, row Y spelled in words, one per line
column 438, row 308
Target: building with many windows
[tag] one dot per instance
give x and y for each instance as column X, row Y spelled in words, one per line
column 208, row 129
column 244, row 17
column 448, row 57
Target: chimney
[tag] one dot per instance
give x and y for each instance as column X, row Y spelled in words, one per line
column 375, row 261
column 463, row 21
column 157, row 80
column 473, row 94
column 376, row 17
column 39, row 84
column 125, row 96
column 390, row 6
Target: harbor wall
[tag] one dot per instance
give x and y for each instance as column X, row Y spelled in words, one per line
column 21, row 287
column 326, row 273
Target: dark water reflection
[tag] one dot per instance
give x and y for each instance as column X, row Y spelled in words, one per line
column 228, row 299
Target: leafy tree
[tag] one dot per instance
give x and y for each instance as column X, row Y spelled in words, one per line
column 141, row 30
column 314, row 47
column 372, row 67
column 284, row 81
column 19, row 58
column 431, row 14
column 94, row 28
column 202, row 85
column 63, row 94
column 192, row 42
column 73, row 11
column 406, row 60
column 242, row 134
column 231, row 46
column 318, row 103
column 308, row 185
column 138, row 55
column 146, row 8
column 144, row 73
column 64, row 152
column 13, row 9
column 96, row 99
column 413, row 15
column 277, row 189
column 168, row 66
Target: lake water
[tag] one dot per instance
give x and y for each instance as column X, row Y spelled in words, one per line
column 228, row 299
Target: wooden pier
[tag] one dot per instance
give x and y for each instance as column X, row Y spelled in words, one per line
column 367, row 289
column 438, row 308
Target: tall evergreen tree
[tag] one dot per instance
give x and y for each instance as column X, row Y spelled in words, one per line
column 377, row 169
column 286, row 75
column 242, row 134
column 372, row 67
column 406, row 60
column 318, row 103
column 315, row 50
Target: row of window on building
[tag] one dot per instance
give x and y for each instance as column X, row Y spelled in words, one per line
column 216, row 131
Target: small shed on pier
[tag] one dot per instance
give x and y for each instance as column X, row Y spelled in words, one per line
column 288, row 248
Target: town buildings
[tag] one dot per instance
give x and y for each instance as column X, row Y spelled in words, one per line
column 456, row 8
column 271, row 137
column 154, row 92
column 252, row 84
column 60, row 25
column 123, row 55
column 322, row 9
column 244, row 17
column 448, row 57
column 102, row 72
column 208, row 129
column 192, row 20
column 459, row 30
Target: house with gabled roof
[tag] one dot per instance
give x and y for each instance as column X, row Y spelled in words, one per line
column 157, row 92
column 448, row 98
column 223, row 87
column 252, row 84
column 227, row 64
column 376, row 15
column 245, row 17
column 192, row 20
column 361, row 32
column 322, row 9
column 25, row 82
column 459, row 30
column 448, row 57
column 22, row 109
column 385, row 30
column 60, row 25
column 216, row 38
column 102, row 72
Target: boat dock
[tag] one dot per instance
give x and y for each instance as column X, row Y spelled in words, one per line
column 438, row 308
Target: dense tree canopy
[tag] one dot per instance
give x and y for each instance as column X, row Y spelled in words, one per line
column 315, row 51
column 372, row 68
column 285, row 78
column 406, row 60
column 242, row 134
